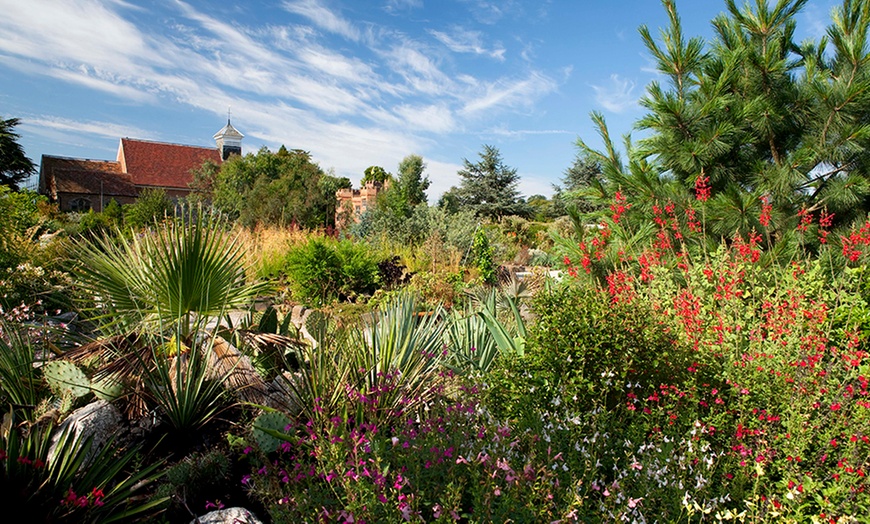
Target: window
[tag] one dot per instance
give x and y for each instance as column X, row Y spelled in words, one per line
column 80, row 205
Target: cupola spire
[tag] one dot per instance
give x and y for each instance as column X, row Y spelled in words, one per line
column 228, row 139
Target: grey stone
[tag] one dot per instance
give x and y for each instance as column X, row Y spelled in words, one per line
column 99, row 421
column 282, row 396
column 228, row 516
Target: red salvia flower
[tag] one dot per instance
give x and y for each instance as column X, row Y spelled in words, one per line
column 702, row 190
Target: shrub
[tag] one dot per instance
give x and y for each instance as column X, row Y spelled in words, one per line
column 482, row 257
column 152, row 205
column 194, row 481
column 323, row 270
column 453, row 465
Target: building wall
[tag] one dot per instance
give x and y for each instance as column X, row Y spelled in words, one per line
column 84, row 202
column 353, row 203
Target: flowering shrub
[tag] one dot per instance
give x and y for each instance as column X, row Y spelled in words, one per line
column 454, row 465
column 767, row 396
column 665, row 380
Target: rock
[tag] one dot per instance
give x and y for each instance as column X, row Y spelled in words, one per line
column 228, row 516
column 98, row 420
column 281, row 395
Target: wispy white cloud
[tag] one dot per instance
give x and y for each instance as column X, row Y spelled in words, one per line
column 489, row 12
column 91, row 127
column 324, row 18
column 73, row 33
column 419, row 71
column 649, row 65
column 814, row 19
column 461, row 40
column 433, row 118
column 511, row 93
column 514, row 133
column 402, row 5
column 617, row 95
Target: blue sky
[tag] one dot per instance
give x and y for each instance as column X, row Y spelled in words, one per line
column 355, row 82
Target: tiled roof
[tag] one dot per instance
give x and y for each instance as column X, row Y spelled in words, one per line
column 76, row 175
column 163, row 165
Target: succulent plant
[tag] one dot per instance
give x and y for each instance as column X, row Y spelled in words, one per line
column 66, row 377
column 267, row 428
column 108, row 388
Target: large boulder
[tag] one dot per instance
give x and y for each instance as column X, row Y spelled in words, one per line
column 228, row 516
column 99, row 421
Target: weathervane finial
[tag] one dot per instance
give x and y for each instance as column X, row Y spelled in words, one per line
column 229, row 113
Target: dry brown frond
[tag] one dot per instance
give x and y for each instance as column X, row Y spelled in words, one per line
column 241, row 376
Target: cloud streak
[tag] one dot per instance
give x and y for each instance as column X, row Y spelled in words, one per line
column 370, row 101
column 617, row 95
column 461, row 40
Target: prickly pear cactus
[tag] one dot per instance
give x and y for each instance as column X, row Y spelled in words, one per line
column 107, row 389
column 66, row 377
column 272, row 421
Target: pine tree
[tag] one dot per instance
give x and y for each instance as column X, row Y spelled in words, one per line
column 489, row 187
column 756, row 116
column 14, row 164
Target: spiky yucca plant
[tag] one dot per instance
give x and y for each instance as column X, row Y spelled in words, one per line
column 385, row 369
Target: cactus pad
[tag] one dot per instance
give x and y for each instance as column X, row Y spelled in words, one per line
column 265, row 426
column 63, row 376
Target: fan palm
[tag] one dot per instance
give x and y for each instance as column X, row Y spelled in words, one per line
column 156, row 295
column 180, row 274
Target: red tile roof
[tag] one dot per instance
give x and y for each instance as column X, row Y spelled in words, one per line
column 159, row 164
column 81, row 176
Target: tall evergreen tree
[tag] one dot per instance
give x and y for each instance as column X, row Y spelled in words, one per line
column 489, row 187
column 755, row 116
column 15, row 167
column 580, row 182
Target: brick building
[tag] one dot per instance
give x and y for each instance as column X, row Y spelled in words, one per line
column 78, row 184
column 353, row 203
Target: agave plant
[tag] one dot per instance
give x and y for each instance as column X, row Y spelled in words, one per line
column 20, row 381
column 383, row 369
column 470, row 343
column 495, row 327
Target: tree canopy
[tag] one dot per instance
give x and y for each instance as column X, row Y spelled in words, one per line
column 15, row 167
column 408, row 190
column 489, row 187
column 753, row 117
column 285, row 187
column 375, row 174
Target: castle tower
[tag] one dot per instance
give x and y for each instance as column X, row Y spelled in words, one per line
column 229, row 141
